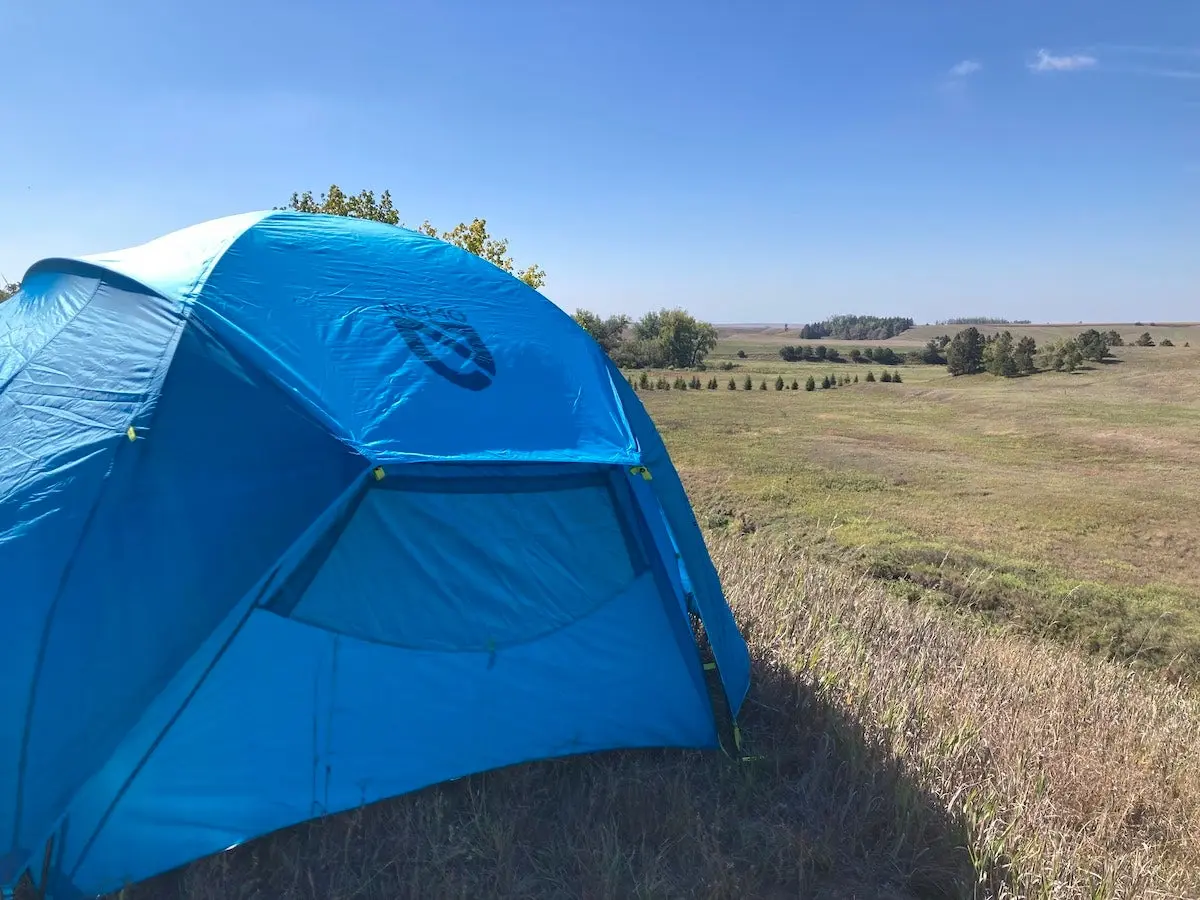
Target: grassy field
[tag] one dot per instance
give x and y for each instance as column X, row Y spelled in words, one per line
column 896, row 555
column 1063, row 504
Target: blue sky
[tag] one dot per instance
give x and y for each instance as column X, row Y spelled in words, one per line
column 752, row 161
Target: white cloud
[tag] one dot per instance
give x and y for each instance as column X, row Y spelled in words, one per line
column 1048, row 63
column 965, row 68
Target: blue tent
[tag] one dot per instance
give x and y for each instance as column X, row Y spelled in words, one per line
column 300, row 512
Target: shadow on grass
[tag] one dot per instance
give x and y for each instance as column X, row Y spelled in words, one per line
column 823, row 813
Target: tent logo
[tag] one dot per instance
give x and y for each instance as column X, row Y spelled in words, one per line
column 442, row 339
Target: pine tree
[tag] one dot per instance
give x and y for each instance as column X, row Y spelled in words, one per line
column 811, row 384
column 779, row 382
column 795, row 385
column 763, row 386
column 749, row 384
column 870, row 376
column 856, row 379
column 732, row 384
column 886, row 377
column 896, row 377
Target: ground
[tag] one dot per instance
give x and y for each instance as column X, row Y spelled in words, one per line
column 1063, row 502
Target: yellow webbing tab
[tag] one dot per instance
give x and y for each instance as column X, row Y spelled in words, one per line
column 379, row 473
column 131, row 433
column 641, row 470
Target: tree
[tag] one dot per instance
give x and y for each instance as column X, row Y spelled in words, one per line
column 811, row 384
column 1166, row 342
column 932, row 354
column 896, row 377
column 608, row 333
column 732, row 385
column 779, row 382
column 1093, row 345
column 886, row 377
column 748, row 384
column 1023, row 355
column 1145, row 340
column 683, row 339
column 473, row 237
column 856, row 355
column 7, row 289
column 998, row 356
column 1061, row 356
column 870, row 376
column 1114, row 338
column 964, row 356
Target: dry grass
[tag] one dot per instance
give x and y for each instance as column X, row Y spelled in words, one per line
column 1063, row 502
column 904, row 755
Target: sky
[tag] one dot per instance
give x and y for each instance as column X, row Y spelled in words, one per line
column 752, row 161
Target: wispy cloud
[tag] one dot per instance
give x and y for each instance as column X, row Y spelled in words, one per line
column 1047, row 62
column 1149, row 50
column 965, row 68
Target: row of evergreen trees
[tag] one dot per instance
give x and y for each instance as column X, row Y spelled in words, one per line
column 885, row 356
column 660, row 383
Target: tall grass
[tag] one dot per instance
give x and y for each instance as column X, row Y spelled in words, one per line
column 904, row 754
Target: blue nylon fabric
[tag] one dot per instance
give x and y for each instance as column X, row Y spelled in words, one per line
column 729, row 648
column 506, row 593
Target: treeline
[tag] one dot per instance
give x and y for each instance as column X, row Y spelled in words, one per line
column 667, row 338
column 645, row 382
column 7, row 289
column 855, row 328
column 969, row 353
column 820, row 353
column 983, row 320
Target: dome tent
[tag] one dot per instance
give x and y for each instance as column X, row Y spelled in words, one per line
column 299, row 512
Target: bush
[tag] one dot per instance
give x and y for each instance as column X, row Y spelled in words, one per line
column 748, row 384
column 763, row 386
column 779, row 382
column 870, row 376
column 741, row 354
column 727, row 366
column 811, row 384
column 662, row 384
column 680, row 384
column 795, row 385
column 644, row 380
column 1166, row 342
column 886, row 377
column 896, row 377
column 825, row 383
column 732, row 385
column 856, row 379
column 712, row 383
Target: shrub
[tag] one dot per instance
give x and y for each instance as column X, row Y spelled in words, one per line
column 1166, row 342
column 870, row 376
column 763, row 386
column 896, row 377
column 1145, row 340
column 856, row 379
column 644, row 380
column 748, row 384
column 811, row 384
column 680, row 384
column 727, row 366
column 886, row 377
column 779, row 382
column 825, row 383
column 712, row 383
column 662, row 384
column 741, row 354
column 732, row 385
column 1187, row 343
column 795, row 385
